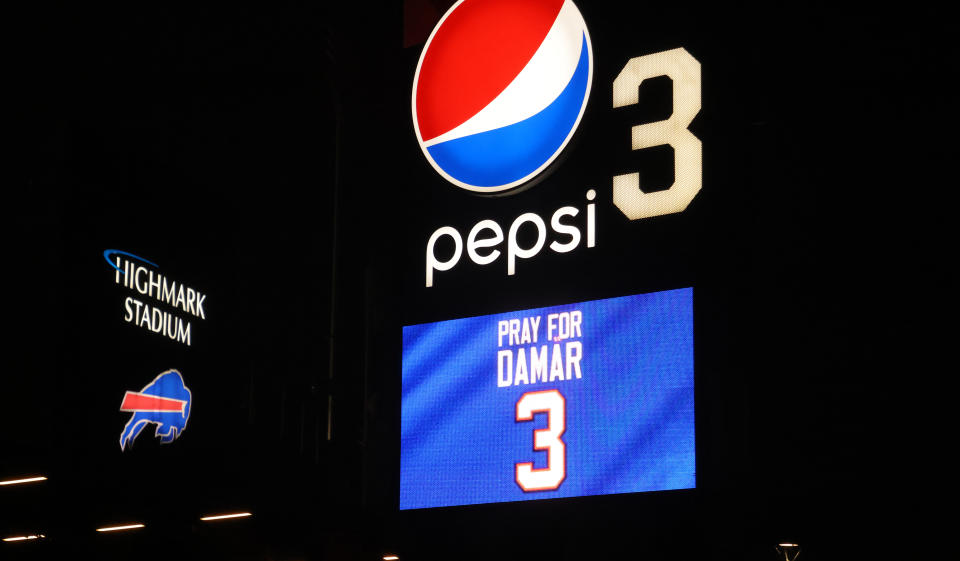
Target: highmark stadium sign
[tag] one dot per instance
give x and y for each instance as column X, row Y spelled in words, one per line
column 161, row 295
column 500, row 89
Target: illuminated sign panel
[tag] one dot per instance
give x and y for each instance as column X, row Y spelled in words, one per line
column 164, row 306
column 497, row 149
column 591, row 398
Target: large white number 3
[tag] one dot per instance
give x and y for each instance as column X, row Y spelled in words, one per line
column 552, row 403
column 684, row 70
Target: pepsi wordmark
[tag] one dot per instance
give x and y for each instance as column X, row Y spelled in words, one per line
column 516, row 106
column 488, row 234
column 139, row 274
column 591, row 398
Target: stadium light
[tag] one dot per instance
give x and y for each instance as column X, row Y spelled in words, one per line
column 225, row 516
column 23, row 480
column 24, row 538
column 118, row 528
column 789, row 551
column 390, row 558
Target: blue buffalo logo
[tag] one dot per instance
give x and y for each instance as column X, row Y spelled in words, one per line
column 164, row 402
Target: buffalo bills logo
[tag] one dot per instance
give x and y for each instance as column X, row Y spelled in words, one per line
column 164, row 402
column 500, row 89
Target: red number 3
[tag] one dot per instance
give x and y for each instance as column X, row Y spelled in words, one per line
column 549, row 478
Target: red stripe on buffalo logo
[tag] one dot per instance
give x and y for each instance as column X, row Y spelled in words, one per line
column 136, row 401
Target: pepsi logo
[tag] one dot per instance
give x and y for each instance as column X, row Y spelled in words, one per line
column 500, row 89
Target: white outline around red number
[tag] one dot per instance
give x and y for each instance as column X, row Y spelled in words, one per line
column 563, row 445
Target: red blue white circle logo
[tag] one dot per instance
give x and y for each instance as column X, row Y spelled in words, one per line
column 500, row 89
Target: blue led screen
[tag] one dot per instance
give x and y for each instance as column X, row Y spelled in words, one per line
column 591, row 398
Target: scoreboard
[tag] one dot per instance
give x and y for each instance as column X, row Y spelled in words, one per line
column 589, row 398
column 546, row 288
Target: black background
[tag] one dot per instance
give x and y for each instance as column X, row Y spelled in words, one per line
column 266, row 157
